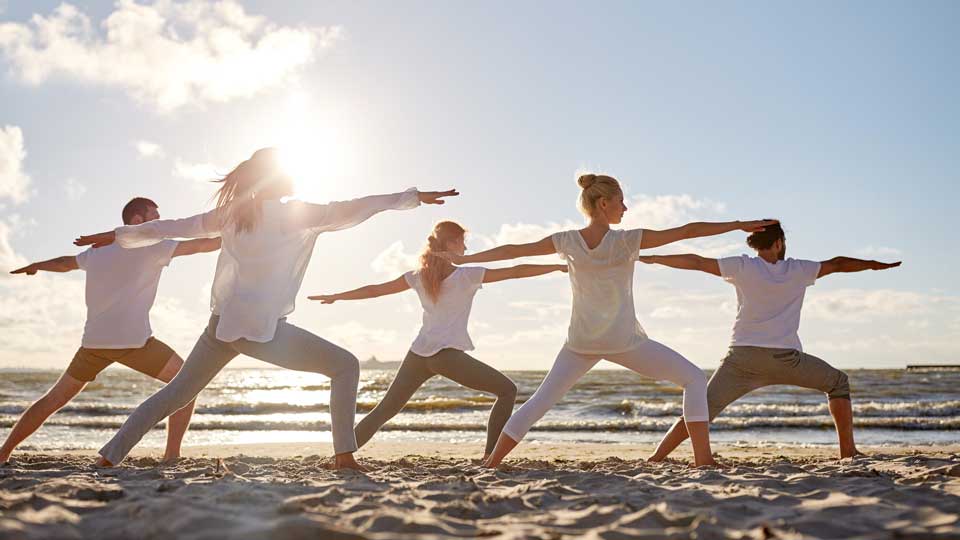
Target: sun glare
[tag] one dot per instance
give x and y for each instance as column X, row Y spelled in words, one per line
column 317, row 149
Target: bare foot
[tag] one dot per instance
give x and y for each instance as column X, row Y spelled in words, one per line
column 856, row 454
column 346, row 461
column 170, row 460
column 655, row 459
column 711, row 464
column 102, row 462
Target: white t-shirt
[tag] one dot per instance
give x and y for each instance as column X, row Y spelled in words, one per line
column 259, row 272
column 120, row 290
column 769, row 299
column 445, row 322
column 603, row 320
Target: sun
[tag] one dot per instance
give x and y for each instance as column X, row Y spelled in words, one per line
column 317, row 148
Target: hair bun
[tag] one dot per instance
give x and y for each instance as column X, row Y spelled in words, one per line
column 586, row 180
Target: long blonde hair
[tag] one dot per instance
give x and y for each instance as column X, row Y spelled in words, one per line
column 237, row 199
column 432, row 267
column 595, row 187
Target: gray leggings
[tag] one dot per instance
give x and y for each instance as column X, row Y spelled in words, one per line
column 455, row 365
column 291, row 348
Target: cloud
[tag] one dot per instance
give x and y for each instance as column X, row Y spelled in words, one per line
column 147, row 149
column 394, row 260
column 355, row 335
column 164, row 53
column 196, row 172
column 860, row 305
column 14, row 182
column 74, row 189
column 9, row 259
column 880, row 252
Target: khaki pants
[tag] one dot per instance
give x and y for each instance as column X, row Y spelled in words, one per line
column 746, row 369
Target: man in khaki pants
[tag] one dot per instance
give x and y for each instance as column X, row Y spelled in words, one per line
column 121, row 287
column 766, row 349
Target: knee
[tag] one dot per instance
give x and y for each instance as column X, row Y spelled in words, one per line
column 170, row 370
column 349, row 366
column 840, row 388
column 508, row 392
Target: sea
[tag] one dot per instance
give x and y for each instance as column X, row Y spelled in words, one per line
column 891, row 407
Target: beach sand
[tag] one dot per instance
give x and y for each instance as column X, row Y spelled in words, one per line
column 544, row 491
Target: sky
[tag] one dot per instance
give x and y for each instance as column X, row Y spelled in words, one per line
column 840, row 119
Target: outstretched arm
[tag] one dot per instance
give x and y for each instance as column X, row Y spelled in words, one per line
column 502, row 253
column 652, row 238
column 849, row 264
column 191, row 247
column 341, row 215
column 685, row 262
column 205, row 225
column 521, row 271
column 370, row 291
column 60, row 264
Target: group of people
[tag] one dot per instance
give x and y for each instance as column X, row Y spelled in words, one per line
column 266, row 239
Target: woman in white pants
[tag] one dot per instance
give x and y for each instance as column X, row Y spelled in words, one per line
column 268, row 240
column 603, row 324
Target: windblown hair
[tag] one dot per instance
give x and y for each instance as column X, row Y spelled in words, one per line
column 595, row 187
column 237, row 199
column 766, row 238
column 431, row 266
column 138, row 206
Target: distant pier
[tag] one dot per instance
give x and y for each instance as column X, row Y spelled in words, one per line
column 933, row 367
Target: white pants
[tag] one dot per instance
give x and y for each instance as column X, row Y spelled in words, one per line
column 650, row 359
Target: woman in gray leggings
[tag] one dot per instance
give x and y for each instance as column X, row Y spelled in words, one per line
column 267, row 243
column 446, row 294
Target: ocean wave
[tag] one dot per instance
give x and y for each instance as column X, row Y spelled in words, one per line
column 880, row 409
column 657, row 425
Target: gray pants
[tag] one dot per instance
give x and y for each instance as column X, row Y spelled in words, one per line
column 291, row 348
column 455, row 365
column 746, row 369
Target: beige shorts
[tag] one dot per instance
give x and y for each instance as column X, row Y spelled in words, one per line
column 746, row 369
column 149, row 360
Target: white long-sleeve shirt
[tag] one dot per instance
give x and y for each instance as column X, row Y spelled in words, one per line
column 259, row 272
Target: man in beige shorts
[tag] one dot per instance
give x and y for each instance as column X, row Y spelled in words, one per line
column 121, row 286
column 766, row 348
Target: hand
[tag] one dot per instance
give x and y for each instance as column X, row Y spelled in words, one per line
column 450, row 256
column 96, row 240
column 756, row 226
column 563, row 268
column 325, row 298
column 649, row 259
column 877, row 265
column 29, row 270
column 436, row 197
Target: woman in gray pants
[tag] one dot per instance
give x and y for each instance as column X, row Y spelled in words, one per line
column 446, row 293
column 268, row 240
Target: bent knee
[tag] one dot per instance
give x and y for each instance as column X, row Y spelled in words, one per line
column 170, row 369
column 508, row 392
column 840, row 388
column 347, row 365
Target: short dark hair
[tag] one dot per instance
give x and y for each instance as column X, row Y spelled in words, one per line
column 766, row 238
column 137, row 206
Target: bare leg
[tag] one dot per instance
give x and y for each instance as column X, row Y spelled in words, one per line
column 676, row 435
column 504, row 446
column 700, row 439
column 65, row 389
column 179, row 421
column 842, row 411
